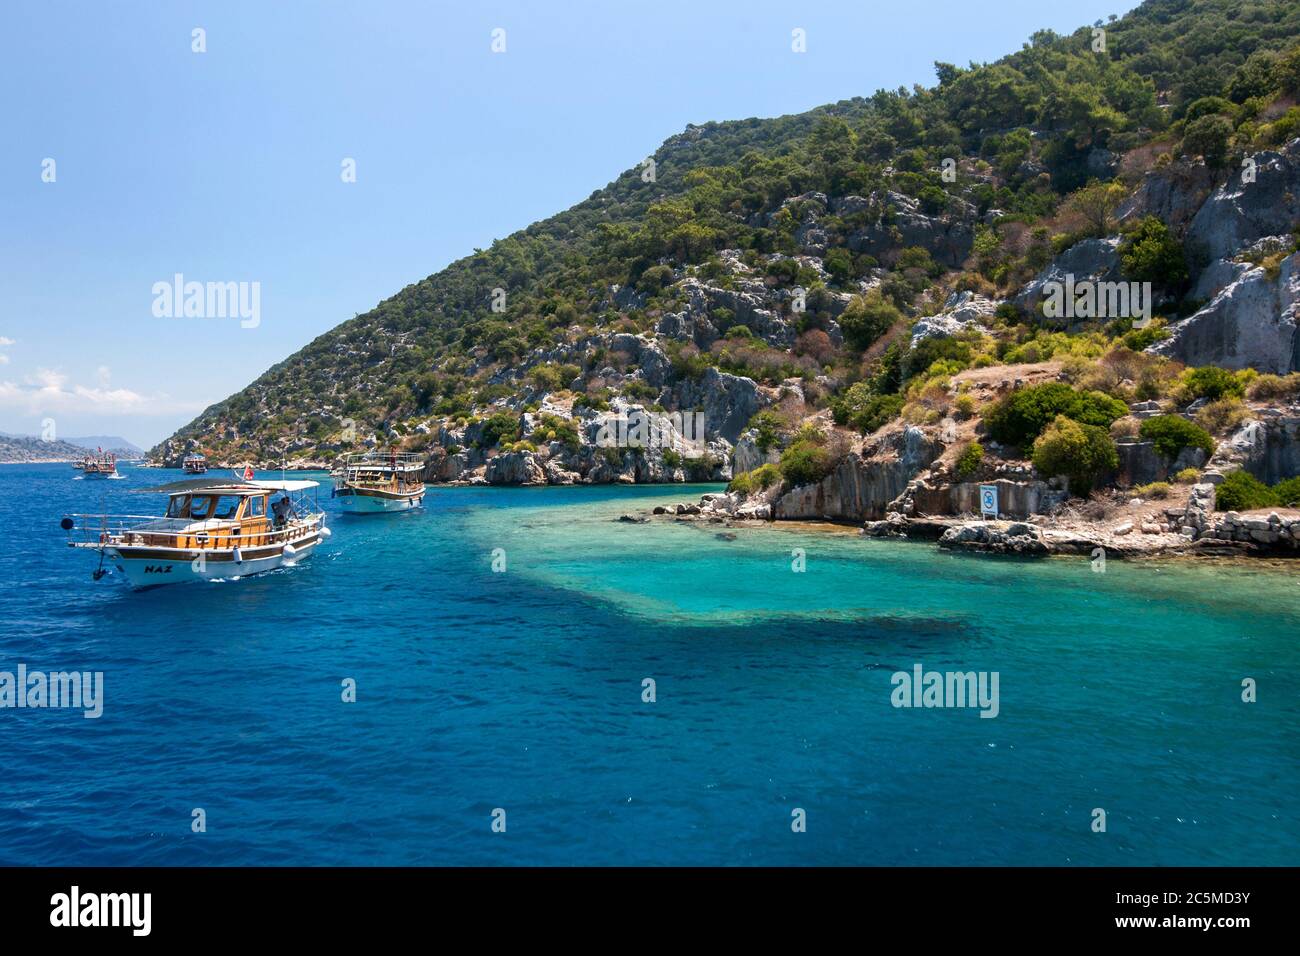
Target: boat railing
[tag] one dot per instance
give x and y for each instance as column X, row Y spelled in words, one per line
column 185, row 533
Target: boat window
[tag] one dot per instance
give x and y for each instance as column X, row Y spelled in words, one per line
column 179, row 507
column 256, row 507
column 201, row 508
column 226, row 508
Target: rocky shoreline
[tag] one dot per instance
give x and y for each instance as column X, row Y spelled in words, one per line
column 1263, row 534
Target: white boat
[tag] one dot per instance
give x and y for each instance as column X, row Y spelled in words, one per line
column 213, row 529
column 380, row 483
column 194, row 464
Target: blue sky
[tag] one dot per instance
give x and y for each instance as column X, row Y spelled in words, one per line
column 225, row 166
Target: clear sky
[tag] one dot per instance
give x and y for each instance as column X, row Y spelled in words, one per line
column 225, row 166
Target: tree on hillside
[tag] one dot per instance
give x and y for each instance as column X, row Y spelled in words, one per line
column 1151, row 253
column 1096, row 203
column 1208, row 137
column 867, row 318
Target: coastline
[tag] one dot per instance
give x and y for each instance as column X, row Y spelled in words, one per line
column 1008, row 538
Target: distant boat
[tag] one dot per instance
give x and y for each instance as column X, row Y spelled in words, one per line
column 194, row 464
column 213, row 528
column 379, row 483
column 99, row 465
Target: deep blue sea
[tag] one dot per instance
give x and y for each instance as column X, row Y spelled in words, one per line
column 522, row 690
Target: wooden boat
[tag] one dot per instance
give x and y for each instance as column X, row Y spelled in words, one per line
column 194, row 464
column 213, row 529
column 380, row 483
column 99, row 465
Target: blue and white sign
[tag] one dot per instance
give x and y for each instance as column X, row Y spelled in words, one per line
column 989, row 501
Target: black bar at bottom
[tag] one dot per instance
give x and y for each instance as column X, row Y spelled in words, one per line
column 207, row 905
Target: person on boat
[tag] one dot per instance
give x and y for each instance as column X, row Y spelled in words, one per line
column 280, row 511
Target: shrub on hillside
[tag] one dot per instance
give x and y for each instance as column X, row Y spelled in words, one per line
column 1288, row 493
column 752, row 482
column 1212, row 383
column 1242, row 491
column 770, row 427
column 805, row 463
column 1125, row 427
column 1079, row 452
column 1188, row 476
column 867, row 318
column 1208, row 137
column 970, row 460
column 1223, row 415
column 1269, row 387
column 1019, row 418
column 862, row 408
column 503, row 426
column 1156, row 489
column 1151, row 253
column 554, row 428
column 1172, row 433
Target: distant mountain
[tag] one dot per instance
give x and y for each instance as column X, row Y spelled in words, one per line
column 20, row 448
column 113, row 443
column 30, row 448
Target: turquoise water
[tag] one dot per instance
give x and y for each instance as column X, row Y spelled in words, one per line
column 522, row 690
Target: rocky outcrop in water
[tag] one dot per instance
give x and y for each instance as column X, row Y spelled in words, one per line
column 1016, row 538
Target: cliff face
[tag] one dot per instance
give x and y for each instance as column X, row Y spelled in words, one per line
column 864, row 484
column 1250, row 323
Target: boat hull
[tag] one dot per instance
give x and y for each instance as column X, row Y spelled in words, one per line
column 352, row 502
column 179, row 567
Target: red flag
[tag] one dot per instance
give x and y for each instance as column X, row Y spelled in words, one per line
column 248, row 472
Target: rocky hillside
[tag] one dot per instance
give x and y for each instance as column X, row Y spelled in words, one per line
column 25, row 448
column 821, row 307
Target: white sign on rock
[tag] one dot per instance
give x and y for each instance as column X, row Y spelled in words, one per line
column 989, row 501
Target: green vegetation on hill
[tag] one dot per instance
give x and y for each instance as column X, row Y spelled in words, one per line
column 1199, row 75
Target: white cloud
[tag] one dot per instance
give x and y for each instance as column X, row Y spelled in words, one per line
column 4, row 344
column 49, row 391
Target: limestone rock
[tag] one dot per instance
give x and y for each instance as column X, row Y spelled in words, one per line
column 1251, row 323
column 962, row 312
column 1091, row 259
column 1238, row 213
column 515, row 468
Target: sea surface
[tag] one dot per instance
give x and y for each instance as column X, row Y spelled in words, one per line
column 522, row 691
